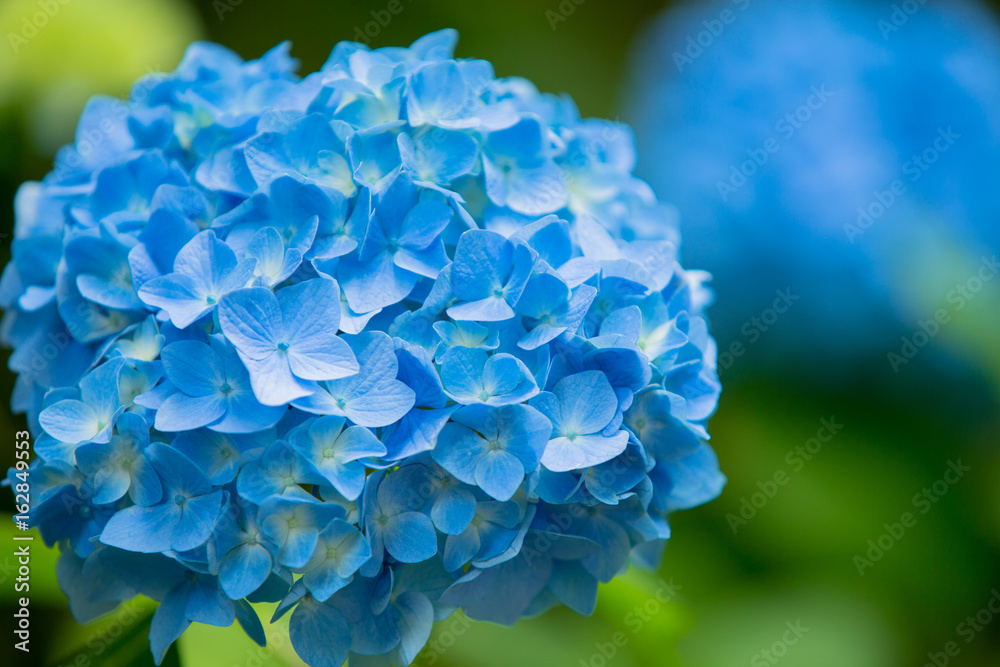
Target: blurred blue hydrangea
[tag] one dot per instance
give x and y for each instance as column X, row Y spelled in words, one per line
column 391, row 339
column 834, row 160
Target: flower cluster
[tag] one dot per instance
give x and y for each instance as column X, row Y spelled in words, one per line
column 377, row 343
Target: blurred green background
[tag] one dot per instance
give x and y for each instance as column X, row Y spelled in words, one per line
column 778, row 570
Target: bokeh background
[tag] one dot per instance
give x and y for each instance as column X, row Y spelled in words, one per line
column 825, row 444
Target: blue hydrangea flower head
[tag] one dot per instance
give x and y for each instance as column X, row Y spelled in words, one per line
column 348, row 342
column 832, row 164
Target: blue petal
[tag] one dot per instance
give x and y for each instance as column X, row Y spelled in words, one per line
column 145, row 486
column 310, row 314
column 273, row 263
column 459, row 549
column 358, row 442
column 193, row 367
column 319, row 634
column 453, row 510
column 70, row 421
column 410, row 537
column 181, row 412
column 197, row 521
column 415, row 619
column 489, row 309
column 250, row 622
column 110, row 479
column 481, row 260
column 417, row 432
column 587, row 402
column 499, row 474
column 244, row 569
column 251, row 320
column 216, row 455
column 168, row 623
column 383, row 405
column 424, row 223
column 563, row 454
column 437, row 92
column 183, row 297
column 507, row 380
column 177, row 472
column 574, row 587
column 439, row 156
column 458, row 450
column 143, row 529
column 374, row 284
